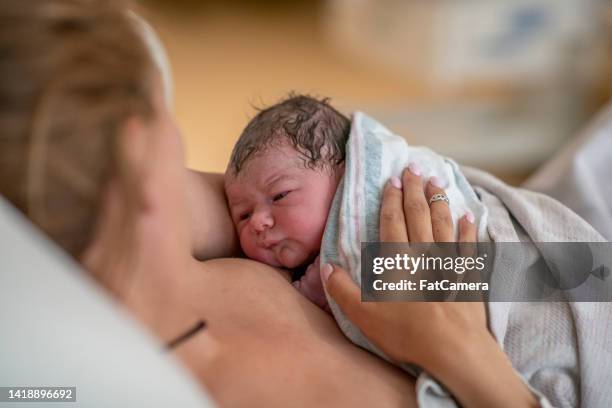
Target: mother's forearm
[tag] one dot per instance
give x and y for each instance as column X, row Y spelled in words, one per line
column 212, row 230
column 479, row 374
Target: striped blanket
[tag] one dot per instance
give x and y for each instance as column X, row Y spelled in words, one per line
column 560, row 349
column 373, row 155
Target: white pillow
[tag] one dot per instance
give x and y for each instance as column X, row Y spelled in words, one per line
column 579, row 176
column 58, row 328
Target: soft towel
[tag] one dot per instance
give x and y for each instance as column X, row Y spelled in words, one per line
column 578, row 175
column 562, row 349
column 373, row 155
column 544, row 340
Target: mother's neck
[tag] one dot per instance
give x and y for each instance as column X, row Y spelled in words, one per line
column 143, row 266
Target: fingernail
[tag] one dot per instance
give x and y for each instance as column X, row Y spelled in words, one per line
column 414, row 169
column 470, row 217
column 396, row 182
column 436, row 182
column 326, row 270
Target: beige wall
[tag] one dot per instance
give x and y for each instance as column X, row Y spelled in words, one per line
column 225, row 60
column 228, row 56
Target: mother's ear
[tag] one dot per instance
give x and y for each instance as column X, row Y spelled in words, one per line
column 212, row 230
column 123, row 197
column 132, row 147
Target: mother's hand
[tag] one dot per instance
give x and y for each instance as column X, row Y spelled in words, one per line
column 411, row 331
column 449, row 339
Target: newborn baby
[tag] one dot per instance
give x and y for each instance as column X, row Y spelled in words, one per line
column 280, row 183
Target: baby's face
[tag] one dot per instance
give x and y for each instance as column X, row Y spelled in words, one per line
column 280, row 208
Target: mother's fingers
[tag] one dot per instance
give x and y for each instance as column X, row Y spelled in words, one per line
column 467, row 228
column 441, row 219
column 392, row 221
column 416, row 209
column 467, row 235
column 344, row 291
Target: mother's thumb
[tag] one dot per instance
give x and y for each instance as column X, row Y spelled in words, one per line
column 342, row 289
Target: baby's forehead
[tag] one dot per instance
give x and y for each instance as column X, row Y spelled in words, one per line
column 273, row 159
column 264, row 174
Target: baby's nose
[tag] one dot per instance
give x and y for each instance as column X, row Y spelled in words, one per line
column 262, row 220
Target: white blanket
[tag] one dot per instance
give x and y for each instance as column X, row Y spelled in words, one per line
column 561, row 349
column 578, row 175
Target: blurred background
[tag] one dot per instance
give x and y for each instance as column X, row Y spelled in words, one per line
column 492, row 83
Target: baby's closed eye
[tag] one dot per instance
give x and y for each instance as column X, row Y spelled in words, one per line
column 280, row 196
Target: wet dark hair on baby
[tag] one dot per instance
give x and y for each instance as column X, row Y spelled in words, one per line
column 312, row 126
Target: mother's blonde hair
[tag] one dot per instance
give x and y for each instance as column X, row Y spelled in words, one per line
column 71, row 73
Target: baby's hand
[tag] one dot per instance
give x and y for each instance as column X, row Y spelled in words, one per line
column 310, row 285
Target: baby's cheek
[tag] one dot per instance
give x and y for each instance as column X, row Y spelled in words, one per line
column 309, row 229
column 248, row 245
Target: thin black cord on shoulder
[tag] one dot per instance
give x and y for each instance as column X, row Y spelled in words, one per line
column 200, row 324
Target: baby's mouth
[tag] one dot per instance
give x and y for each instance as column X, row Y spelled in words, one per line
column 269, row 245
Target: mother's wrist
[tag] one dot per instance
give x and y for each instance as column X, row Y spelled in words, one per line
column 454, row 351
column 478, row 373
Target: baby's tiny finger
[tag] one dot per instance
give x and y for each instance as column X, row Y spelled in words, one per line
column 344, row 291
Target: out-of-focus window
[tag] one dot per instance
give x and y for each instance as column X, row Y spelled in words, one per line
column 507, row 81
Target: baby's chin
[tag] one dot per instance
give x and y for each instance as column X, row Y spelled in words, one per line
column 285, row 255
column 265, row 256
column 282, row 257
column 290, row 257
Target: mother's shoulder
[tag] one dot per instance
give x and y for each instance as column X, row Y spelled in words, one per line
column 259, row 296
column 263, row 321
column 242, row 282
column 233, row 268
column 212, row 230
